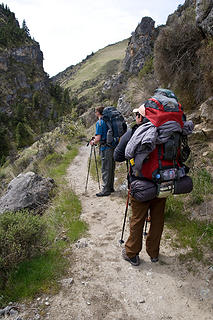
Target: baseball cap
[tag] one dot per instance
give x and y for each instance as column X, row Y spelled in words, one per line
column 141, row 110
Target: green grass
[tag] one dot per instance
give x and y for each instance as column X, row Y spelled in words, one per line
column 37, row 275
column 64, row 227
column 64, row 216
column 195, row 236
column 147, row 68
column 56, row 168
column 101, row 62
column 202, row 186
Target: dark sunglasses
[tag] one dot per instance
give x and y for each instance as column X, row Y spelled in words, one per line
column 138, row 114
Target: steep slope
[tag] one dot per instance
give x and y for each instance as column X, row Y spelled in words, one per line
column 85, row 80
column 183, row 52
column 27, row 99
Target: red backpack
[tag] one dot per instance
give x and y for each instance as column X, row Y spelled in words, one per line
column 164, row 161
column 163, row 167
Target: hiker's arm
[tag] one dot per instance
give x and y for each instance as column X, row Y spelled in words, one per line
column 119, row 153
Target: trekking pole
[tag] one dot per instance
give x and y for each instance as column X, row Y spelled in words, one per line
column 97, row 169
column 89, row 167
column 148, row 219
column 127, row 204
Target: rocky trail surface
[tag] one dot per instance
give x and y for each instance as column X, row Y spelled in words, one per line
column 107, row 287
column 102, row 286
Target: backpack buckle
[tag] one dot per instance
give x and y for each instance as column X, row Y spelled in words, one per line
column 164, row 189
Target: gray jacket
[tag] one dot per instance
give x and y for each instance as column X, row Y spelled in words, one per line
column 147, row 137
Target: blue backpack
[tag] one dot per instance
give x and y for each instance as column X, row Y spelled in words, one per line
column 116, row 125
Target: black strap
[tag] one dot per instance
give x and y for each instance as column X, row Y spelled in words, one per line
column 159, row 157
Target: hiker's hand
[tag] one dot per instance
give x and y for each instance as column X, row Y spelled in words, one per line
column 92, row 141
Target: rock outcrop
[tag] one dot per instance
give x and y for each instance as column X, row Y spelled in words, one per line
column 27, row 106
column 24, row 66
column 27, row 191
column 204, row 16
column 140, row 46
column 125, row 108
column 88, row 118
column 114, row 82
column 206, row 111
column 21, row 64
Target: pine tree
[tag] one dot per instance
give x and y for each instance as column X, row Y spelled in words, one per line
column 23, row 136
column 25, row 28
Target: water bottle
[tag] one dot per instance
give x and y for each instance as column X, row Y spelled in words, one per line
column 168, row 174
column 157, row 176
column 109, row 138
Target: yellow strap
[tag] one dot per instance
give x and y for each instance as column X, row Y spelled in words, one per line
column 132, row 162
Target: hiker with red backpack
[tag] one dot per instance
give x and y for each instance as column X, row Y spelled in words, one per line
column 154, row 151
column 109, row 127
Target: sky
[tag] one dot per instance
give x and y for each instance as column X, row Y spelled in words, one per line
column 69, row 30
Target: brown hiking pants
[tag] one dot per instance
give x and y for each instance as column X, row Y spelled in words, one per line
column 139, row 212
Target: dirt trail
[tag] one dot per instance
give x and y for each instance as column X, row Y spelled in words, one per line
column 107, row 287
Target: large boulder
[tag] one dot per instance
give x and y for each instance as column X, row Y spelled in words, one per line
column 125, row 108
column 114, row 82
column 206, row 111
column 203, row 120
column 27, row 191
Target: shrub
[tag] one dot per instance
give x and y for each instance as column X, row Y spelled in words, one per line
column 111, row 67
column 176, row 61
column 22, row 236
column 140, row 90
column 147, row 68
column 53, row 159
column 24, row 135
column 206, row 64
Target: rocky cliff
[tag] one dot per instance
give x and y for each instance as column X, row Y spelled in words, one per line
column 29, row 104
column 140, row 46
column 177, row 55
column 21, row 75
column 204, row 16
column 183, row 52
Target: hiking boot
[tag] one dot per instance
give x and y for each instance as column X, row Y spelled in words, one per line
column 112, row 190
column 154, row 259
column 103, row 194
column 135, row 261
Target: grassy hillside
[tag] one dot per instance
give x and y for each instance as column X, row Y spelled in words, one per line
column 104, row 62
column 85, row 81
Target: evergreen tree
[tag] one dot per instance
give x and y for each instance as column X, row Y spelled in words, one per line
column 20, row 113
column 25, row 28
column 23, row 136
column 4, row 145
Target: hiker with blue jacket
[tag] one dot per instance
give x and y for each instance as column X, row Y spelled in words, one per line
column 107, row 160
column 152, row 147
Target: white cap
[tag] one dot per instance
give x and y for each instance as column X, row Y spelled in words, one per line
column 141, row 110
